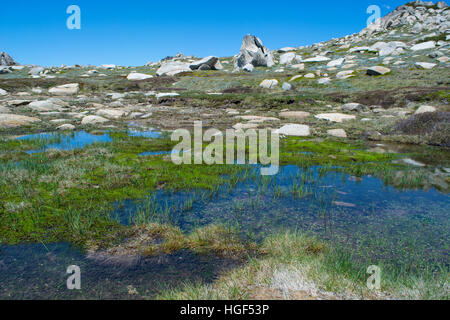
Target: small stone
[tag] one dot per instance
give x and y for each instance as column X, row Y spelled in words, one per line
column 66, row 127
column 166, row 95
column 425, row 65
column 44, row 106
column 295, row 78
column 286, row 86
column 336, row 63
column 378, row 71
column 111, row 113
column 66, row 89
column 296, row 130
column 424, row 46
column 269, row 84
column 338, row 133
column 357, row 107
column 335, row 117
column 324, row 81
column 300, row 66
column 425, row 109
column 287, row 58
column 298, row 115
column 317, row 59
column 345, row 74
column 88, row 120
column 14, row 120
column 138, row 76
column 245, row 126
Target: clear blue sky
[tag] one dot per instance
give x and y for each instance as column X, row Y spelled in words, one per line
column 134, row 32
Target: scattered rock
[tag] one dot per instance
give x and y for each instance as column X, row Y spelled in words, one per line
column 36, row 70
column 324, row 81
column 44, row 106
column 424, row 46
column 115, row 95
column 413, row 162
column 336, row 63
column 335, row 117
column 269, row 84
column 295, row 78
column 296, row 130
column 3, row 92
column 378, row 71
column 424, row 109
column 208, row 63
column 287, row 58
column 111, row 113
column 14, row 120
column 317, row 59
column 66, row 89
column 299, row 115
column 108, row 66
column 167, row 95
column 338, row 133
column 245, row 126
column 91, row 120
column 299, row 66
column 138, row 76
column 425, row 65
column 66, row 127
column 286, row 86
column 345, row 74
column 286, row 49
column 344, row 204
column 353, row 107
column 173, row 68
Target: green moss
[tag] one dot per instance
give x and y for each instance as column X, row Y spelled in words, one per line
column 68, row 195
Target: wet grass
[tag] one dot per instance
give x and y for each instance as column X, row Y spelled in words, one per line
column 299, row 266
column 66, row 195
column 69, row 195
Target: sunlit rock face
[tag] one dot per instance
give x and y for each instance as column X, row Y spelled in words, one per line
column 254, row 53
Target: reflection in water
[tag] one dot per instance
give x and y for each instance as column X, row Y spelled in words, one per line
column 79, row 139
column 76, row 140
column 404, row 230
column 376, row 221
column 39, row 272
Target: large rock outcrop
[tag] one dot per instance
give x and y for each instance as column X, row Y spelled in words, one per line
column 418, row 14
column 208, row 63
column 253, row 53
column 172, row 68
column 6, row 60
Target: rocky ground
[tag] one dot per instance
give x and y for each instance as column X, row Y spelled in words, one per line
column 366, row 85
column 387, row 86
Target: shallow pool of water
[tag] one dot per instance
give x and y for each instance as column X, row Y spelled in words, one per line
column 39, row 271
column 380, row 224
column 79, row 139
